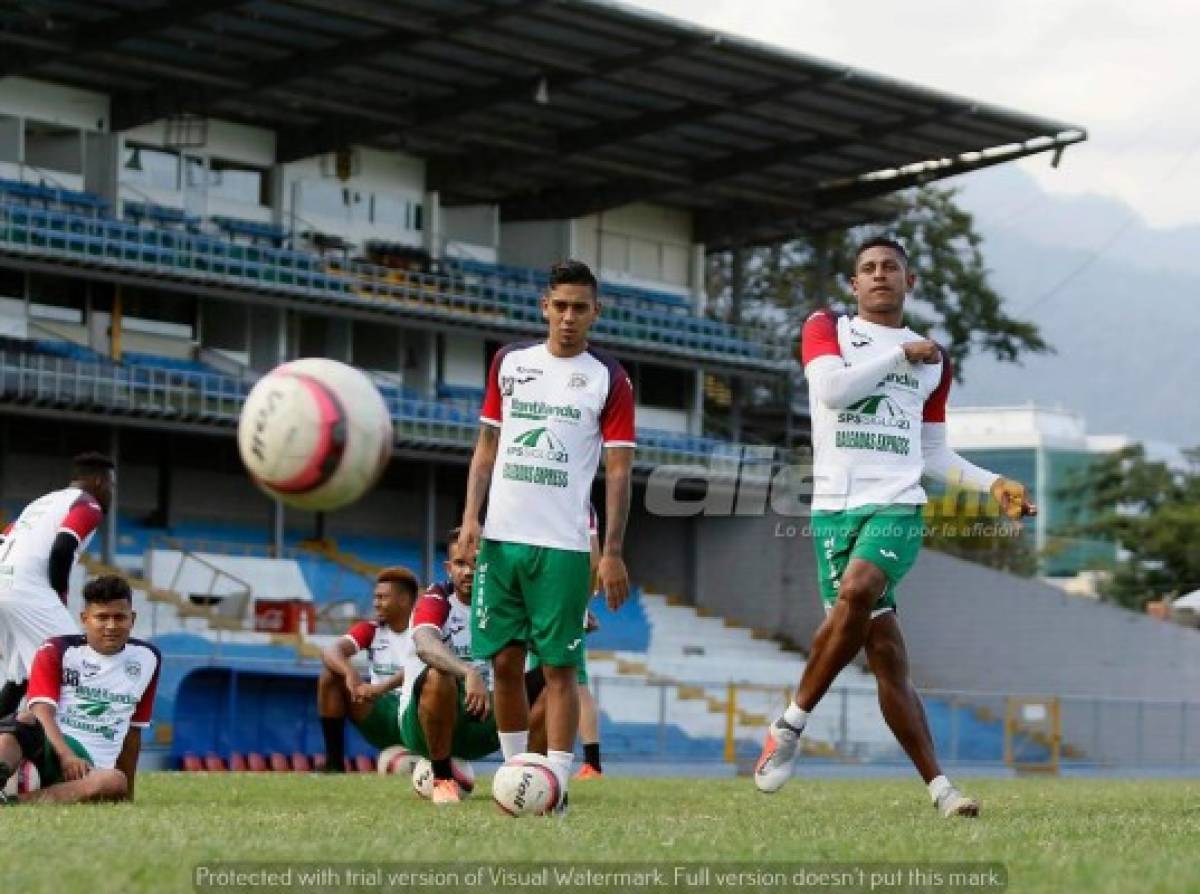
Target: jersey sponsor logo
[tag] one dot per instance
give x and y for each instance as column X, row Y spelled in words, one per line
column 871, row 406
column 540, row 411
column 904, row 380
column 539, row 443
column 877, row 409
column 869, row 440
column 535, row 475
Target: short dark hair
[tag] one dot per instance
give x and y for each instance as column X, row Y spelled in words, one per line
column 107, row 588
column 87, row 464
column 880, row 241
column 401, row 577
column 572, row 273
column 452, row 537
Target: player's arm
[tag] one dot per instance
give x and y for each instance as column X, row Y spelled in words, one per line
column 45, row 689
column 336, row 656
column 73, row 766
column 483, row 460
column 618, row 485
column 127, row 760
column 80, row 521
column 439, row 656
column 395, row 681
column 943, row 464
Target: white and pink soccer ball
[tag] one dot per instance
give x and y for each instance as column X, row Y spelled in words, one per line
column 527, row 785
column 315, row 433
column 26, row 779
column 396, row 760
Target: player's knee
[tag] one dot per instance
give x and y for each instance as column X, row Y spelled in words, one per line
column 509, row 663
column 560, row 678
column 107, row 785
column 887, row 660
column 438, row 684
column 858, row 595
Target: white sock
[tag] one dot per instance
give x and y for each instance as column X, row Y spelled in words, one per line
column 939, row 787
column 562, row 761
column 512, row 744
column 795, row 716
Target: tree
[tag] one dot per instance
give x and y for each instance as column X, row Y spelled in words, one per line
column 1152, row 511
column 953, row 301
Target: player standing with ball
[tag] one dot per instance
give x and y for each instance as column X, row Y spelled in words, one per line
column 548, row 409
column 878, row 393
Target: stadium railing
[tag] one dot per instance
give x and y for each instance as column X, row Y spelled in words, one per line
column 448, row 297
column 211, row 398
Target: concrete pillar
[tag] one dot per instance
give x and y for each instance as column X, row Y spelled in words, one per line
column 698, row 278
column 434, row 241
column 429, row 539
column 109, row 551
column 737, row 290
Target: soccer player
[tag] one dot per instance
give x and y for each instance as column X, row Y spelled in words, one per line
column 90, row 696
column 877, row 392
column 445, row 706
column 549, row 408
column 373, row 706
column 589, row 716
column 36, row 556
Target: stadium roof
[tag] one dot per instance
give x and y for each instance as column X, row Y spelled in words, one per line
column 548, row 108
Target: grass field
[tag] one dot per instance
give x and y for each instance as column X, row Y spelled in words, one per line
column 1053, row 835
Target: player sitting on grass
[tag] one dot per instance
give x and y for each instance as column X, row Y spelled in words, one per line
column 90, row 696
column 372, row 706
column 446, row 700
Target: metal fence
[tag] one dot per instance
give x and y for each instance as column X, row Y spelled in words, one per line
column 698, row 721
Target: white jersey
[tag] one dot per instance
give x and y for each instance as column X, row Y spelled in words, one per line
column 554, row 413
column 869, row 452
column 25, row 553
column 388, row 652
column 440, row 609
column 97, row 697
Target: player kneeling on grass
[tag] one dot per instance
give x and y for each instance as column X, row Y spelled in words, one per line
column 446, row 700
column 90, row 697
column 372, row 706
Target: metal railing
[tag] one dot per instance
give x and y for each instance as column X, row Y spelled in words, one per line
column 968, row 727
column 89, row 385
column 449, row 297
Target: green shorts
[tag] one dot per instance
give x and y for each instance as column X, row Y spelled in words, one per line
column 382, row 726
column 36, row 748
column 889, row 537
column 580, row 670
column 530, row 594
column 473, row 738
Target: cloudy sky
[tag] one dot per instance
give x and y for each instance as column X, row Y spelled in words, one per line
column 1127, row 72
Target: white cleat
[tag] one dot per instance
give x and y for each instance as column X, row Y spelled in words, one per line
column 955, row 803
column 774, row 765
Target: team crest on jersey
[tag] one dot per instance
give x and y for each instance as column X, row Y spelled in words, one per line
column 577, row 380
column 133, row 669
column 70, row 676
column 507, row 385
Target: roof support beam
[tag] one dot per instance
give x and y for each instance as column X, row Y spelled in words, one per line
column 106, row 34
column 333, row 134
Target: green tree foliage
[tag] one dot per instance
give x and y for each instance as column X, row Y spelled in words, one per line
column 1152, row 511
column 953, row 300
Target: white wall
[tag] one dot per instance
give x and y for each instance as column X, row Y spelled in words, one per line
column 640, row 245
column 462, row 361
column 537, row 243
column 224, row 139
column 471, row 231
column 662, row 419
column 391, row 175
column 53, row 103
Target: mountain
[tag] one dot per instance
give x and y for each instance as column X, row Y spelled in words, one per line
column 1117, row 299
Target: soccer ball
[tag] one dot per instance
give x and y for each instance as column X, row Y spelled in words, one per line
column 526, row 785
column 25, row 779
column 422, row 777
column 396, row 760
column 315, row 433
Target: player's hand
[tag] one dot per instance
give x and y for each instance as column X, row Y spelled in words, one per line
column 1013, row 498
column 923, row 351
column 74, row 767
column 614, row 580
column 476, row 696
column 468, row 539
column 354, row 687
